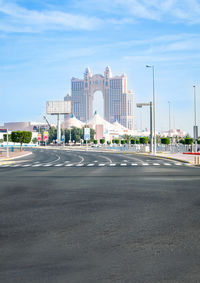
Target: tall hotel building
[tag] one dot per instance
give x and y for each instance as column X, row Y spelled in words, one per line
column 118, row 102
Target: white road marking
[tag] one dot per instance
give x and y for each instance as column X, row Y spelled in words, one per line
column 167, row 164
column 156, row 164
column 69, row 165
column 134, row 164
column 58, row 165
column 47, row 165
column 96, row 161
column 36, row 165
column 102, row 164
column 145, row 164
column 106, row 158
column 123, row 164
column 178, row 164
column 90, row 164
column 26, row 165
column 79, row 165
column 112, row 164
column 16, row 165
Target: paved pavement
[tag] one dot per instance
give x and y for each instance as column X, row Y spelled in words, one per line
column 96, row 222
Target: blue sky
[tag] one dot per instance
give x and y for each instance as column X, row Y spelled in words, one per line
column 45, row 43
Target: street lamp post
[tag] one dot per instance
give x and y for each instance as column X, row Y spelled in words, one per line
column 139, row 105
column 154, row 110
column 169, row 123
column 195, row 119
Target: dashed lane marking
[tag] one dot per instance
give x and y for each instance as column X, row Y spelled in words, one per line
column 36, row 165
column 145, row 164
column 102, row 164
column 69, row 165
column 90, row 164
column 167, row 164
column 112, row 164
column 156, row 164
column 134, row 164
column 59, row 165
column 47, row 165
column 123, row 164
column 80, row 165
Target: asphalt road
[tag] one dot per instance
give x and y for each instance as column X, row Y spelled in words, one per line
column 98, row 217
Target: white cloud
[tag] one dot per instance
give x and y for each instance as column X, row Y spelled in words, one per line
column 19, row 19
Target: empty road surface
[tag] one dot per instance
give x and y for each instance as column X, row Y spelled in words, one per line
column 76, row 216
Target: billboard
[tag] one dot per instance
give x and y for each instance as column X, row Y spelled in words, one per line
column 45, row 136
column 86, row 134
column 58, row 107
column 39, row 138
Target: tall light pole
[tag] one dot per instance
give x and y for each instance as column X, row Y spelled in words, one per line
column 139, row 105
column 169, row 124
column 154, row 110
column 195, row 119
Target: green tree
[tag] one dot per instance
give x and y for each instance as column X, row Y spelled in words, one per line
column 122, row 141
column 5, row 138
column 102, row 141
column 21, row 137
column 133, row 141
column 143, row 140
column 188, row 140
column 108, row 142
column 117, row 141
column 165, row 140
column 52, row 134
column 95, row 141
column 1, row 140
column 34, row 140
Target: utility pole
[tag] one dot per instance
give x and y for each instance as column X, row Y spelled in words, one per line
column 154, row 107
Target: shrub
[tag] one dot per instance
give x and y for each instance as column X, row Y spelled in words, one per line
column 165, row 140
column 143, row 140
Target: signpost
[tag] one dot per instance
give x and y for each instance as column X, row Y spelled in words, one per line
column 87, row 135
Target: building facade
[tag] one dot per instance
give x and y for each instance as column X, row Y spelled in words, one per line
column 118, row 102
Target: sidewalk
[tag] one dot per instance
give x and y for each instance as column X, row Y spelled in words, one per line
column 178, row 156
column 13, row 155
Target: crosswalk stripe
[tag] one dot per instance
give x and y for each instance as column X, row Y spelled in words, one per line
column 47, row 165
column 102, row 164
column 112, row 164
column 69, row 165
column 156, row 164
column 79, row 165
column 90, row 164
column 58, row 165
column 145, row 164
column 134, row 164
column 167, row 164
column 36, row 165
column 123, row 164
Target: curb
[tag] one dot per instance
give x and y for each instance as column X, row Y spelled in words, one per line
column 17, row 157
column 165, row 157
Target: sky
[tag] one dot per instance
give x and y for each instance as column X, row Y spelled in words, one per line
column 44, row 43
